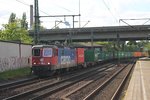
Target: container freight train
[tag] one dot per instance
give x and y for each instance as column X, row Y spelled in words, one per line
column 48, row 59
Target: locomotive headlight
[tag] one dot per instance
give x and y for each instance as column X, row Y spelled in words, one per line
column 41, row 59
column 48, row 63
column 34, row 63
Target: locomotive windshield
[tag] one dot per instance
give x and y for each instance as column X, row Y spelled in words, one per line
column 36, row 52
column 47, row 52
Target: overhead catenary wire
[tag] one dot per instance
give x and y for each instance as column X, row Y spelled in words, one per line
column 41, row 10
column 148, row 19
column 114, row 8
column 29, row 6
column 137, row 19
column 26, row 4
column 23, row 3
column 110, row 10
column 125, row 23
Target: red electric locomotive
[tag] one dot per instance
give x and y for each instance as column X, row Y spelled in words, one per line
column 44, row 59
column 47, row 59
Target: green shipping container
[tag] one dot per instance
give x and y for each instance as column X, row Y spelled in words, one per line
column 91, row 55
column 101, row 55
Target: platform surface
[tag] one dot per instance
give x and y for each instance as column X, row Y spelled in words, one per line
column 139, row 86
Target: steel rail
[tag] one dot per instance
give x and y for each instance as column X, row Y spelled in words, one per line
column 42, row 88
column 118, row 91
column 67, row 85
column 90, row 96
column 15, row 84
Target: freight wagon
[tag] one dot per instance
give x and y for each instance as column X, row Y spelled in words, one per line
column 48, row 59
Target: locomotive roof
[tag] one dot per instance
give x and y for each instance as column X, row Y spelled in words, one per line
column 41, row 46
column 87, row 45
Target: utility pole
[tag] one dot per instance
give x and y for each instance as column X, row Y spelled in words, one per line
column 31, row 16
column 118, row 44
column 79, row 16
column 92, row 38
column 36, row 22
column 73, row 21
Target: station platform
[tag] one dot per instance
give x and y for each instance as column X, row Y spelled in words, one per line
column 139, row 86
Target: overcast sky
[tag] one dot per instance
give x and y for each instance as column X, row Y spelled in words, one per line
column 97, row 12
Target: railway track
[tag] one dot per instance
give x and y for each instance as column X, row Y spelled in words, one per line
column 83, row 85
column 11, row 88
column 16, row 84
column 111, row 88
column 71, row 82
column 80, row 90
column 25, row 93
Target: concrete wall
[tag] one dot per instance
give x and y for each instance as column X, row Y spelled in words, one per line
column 14, row 55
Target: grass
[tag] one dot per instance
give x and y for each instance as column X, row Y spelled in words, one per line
column 16, row 73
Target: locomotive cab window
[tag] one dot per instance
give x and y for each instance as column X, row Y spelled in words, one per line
column 47, row 52
column 36, row 52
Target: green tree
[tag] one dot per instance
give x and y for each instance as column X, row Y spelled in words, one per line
column 12, row 18
column 24, row 23
column 14, row 32
column 109, row 46
column 40, row 27
column 132, row 43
